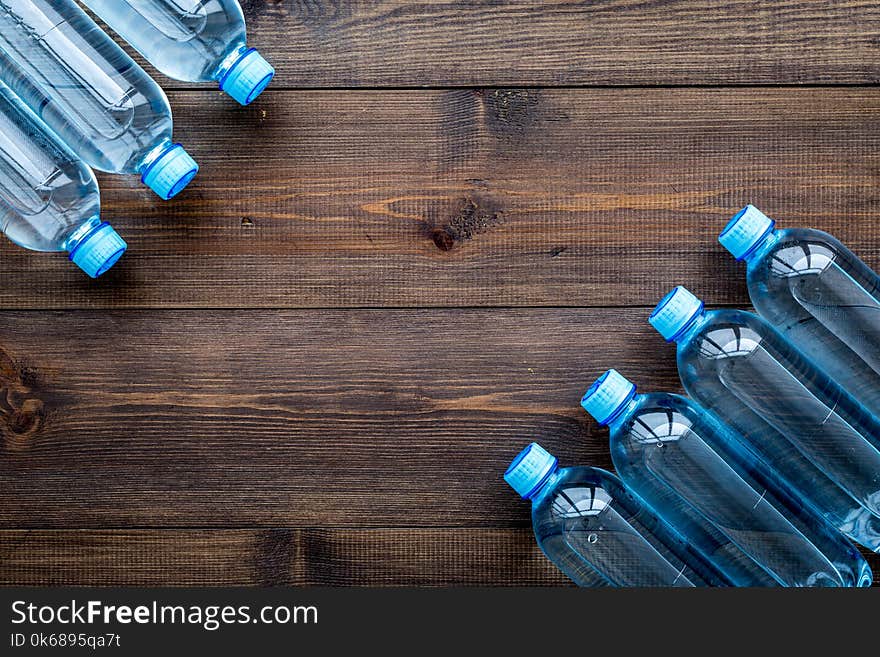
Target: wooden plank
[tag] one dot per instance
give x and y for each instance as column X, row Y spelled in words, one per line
column 562, row 42
column 320, row 418
column 264, row 557
column 271, row 557
column 474, row 198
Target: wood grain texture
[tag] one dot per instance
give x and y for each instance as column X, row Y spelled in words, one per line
column 272, row 557
column 313, row 366
column 298, row 418
column 331, row 43
column 279, row 556
column 474, row 198
column 347, row 447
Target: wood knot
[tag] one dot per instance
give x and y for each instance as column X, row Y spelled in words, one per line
column 22, row 423
column 443, row 239
column 470, row 220
column 21, row 414
column 510, row 112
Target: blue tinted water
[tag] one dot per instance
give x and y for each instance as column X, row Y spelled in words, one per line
column 789, row 413
column 824, row 299
column 600, row 534
column 90, row 92
column 49, row 198
column 685, row 464
column 193, row 40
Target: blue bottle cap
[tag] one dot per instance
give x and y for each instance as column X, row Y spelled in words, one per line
column 610, row 392
column 675, row 312
column 529, row 470
column 247, row 77
column 745, row 231
column 98, row 251
column 170, row 172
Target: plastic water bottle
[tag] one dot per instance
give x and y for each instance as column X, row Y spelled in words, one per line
column 600, row 534
column 790, row 414
column 48, row 197
column 817, row 293
column 86, row 89
column 685, row 464
column 191, row 40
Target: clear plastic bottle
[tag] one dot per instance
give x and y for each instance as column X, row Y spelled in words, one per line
column 790, row 414
column 600, row 534
column 688, row 467
column 92, row 94
column 817, row 293
column 48, row 197
column 191, row 40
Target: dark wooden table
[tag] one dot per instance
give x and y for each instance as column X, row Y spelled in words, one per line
column 407, row 259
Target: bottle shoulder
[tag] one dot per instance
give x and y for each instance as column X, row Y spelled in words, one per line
column 725, row 334
column 719, row 322
column 796, row 252
column 650, row 404
column 582, row 475
column 657, row 418
column 576, row 491
column 651, row 400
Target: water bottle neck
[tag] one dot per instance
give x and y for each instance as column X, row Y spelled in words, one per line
column 228, row 62
column 692, row 326
column 623, row 412
column 761, row 246
column 154, row 155
column 545, row 486
column 80, row 233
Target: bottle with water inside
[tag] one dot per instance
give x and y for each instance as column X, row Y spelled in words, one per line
column 791, row 415
column 817, row 293
column 191, row 40
column 684, row 463
column 48, row 197
column 91, row 93
column 600, row 534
